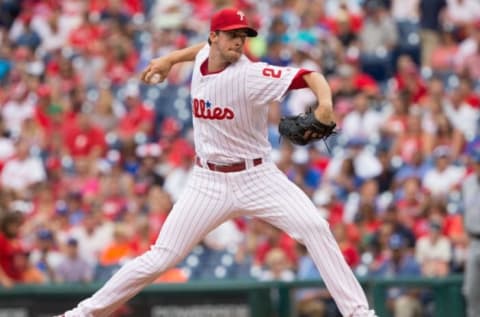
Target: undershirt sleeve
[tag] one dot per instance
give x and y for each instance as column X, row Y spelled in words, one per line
column 298, row 82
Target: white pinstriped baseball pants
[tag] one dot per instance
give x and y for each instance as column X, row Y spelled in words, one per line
column 209, row 199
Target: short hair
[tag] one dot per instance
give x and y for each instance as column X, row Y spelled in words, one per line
column 13, row 217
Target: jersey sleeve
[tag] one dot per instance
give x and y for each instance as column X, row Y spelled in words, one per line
column 266, row 83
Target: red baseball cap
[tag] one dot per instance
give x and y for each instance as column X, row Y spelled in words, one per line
column 231, row 19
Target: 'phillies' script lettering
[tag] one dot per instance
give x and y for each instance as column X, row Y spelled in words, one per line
column 205, row 110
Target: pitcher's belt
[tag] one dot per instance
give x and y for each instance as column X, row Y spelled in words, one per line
column 228, row 168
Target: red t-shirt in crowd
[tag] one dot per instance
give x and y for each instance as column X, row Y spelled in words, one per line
column 82, row 142
column 419, row 90
column 139, row 115
column 8, row 249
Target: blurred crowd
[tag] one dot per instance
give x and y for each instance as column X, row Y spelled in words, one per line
column 91, row 160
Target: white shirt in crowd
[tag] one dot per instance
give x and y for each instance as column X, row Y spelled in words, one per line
column 405, row 10
column 465, row 11
column 427, row 250
column 224, row 237
column 90, row 245
column 365, row 125
column 440, row 183
column 464, row 118
column 19, row 174
column 15, row 112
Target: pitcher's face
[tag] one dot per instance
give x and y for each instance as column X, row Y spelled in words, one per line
column 229, row 43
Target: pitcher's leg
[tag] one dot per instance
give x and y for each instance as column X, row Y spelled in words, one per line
column 311, row 229
column 286, row 206
column 200, row 209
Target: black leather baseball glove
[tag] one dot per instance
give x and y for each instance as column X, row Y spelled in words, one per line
column 305, row 128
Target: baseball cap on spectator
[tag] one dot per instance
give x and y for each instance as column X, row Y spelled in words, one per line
column 45, row 234
column 229, row 19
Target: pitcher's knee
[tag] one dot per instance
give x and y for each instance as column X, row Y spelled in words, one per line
column 157, row 260
column 317, row 225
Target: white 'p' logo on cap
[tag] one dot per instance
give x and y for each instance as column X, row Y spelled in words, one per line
column 241, row 15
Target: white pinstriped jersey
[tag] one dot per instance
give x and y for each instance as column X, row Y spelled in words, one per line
column 230, row 108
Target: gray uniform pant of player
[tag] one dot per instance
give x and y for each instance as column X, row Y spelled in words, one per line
column 209, row 199
column 471, row 284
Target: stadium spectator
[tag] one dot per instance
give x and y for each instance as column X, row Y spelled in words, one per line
column 158, row 205
column 431, row 12
column 277, row 267
column 119, row 250
column 363, row 121
column 460, row 13
column 412, row 141
column 19, row 106
column 275, row 238
column 30, row 273
column 302, row 172
column 408, row 80
column 104, row 112
column 377, row 40
column 93, row 234
column 23, row 172
column 349, row 250
column 10, row 224
column 399, row 263
column 83, row 138
column 314, row 301
column 443, row 56
column 433, row 251
column 397, row 116
column 46, row 255
column 392, row 220
column 444, row 177
column 138, row 118
column 73, row 268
